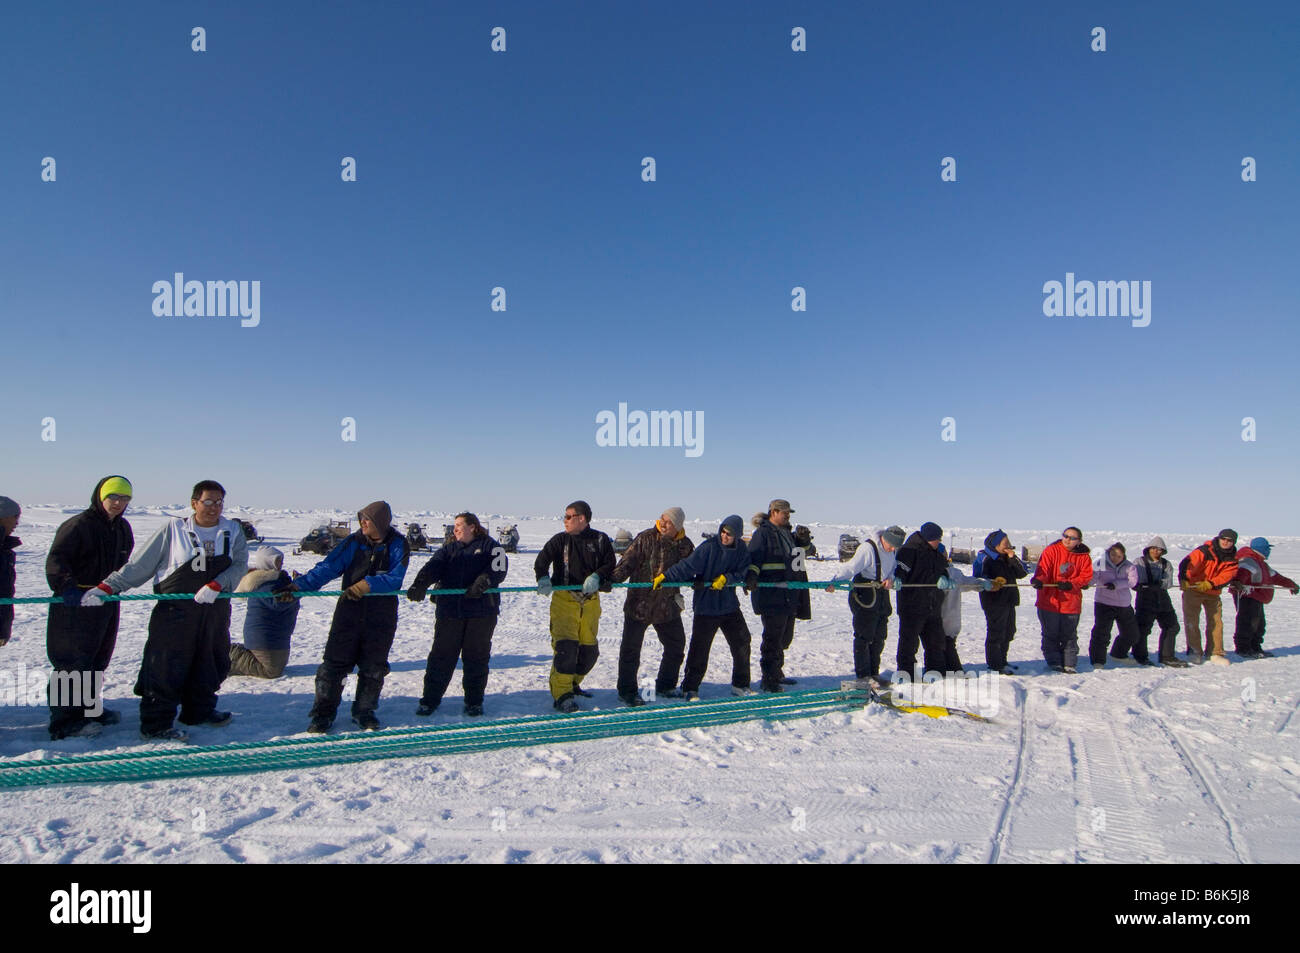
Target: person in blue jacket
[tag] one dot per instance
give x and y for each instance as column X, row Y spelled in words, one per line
column 716, row 566
column 268, row 623
column 463, row 627
column 371, row 560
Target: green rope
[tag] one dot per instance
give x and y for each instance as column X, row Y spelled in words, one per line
column 263, row 594
column 241, row 758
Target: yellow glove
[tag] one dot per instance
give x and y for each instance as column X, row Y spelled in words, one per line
column 998, row 583
column 720, row 582
column 1203, row 586
column 357, row 590
column 657, row 581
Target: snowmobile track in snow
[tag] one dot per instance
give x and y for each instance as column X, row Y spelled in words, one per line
column 1017, row 779
column 1201, row 777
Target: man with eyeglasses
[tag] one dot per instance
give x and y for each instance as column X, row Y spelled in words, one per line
column 1064, row 570
column 579, row 555
column 1203, row 573
column 95, row 542
column 187, row 653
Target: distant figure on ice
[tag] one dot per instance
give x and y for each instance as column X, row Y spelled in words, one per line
column 187, row 653
column 373, row 559
column 716, row 567
column 871, row 568
column 269, row 623
column 463, row 625
column 94, row 543
column 1063, row 572
column 1114, row 578
column 1155, row 577
column 9, row 515
column 773, row 557
column 1203, row 573
column 998, row 563
column 579, row 555
column 1250, row 593
column 652, row 553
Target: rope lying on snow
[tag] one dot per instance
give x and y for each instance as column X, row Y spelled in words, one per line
column 420, row 742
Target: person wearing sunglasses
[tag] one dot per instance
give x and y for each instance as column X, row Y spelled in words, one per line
column 1202, row 574
column 94, row 543
column 1064, row 570
column 187, row 653
column 578, row 555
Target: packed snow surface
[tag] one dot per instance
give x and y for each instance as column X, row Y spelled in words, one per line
column 1123, row 765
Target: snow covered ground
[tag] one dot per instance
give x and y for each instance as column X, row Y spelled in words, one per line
column 1128, row 765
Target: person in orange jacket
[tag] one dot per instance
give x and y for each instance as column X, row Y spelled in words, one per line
column 1063, row 572
column 1202, row 574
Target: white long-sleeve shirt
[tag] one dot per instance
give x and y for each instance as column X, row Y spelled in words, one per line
column 173, row 545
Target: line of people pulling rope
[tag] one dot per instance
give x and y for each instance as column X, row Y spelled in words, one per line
column 191, row 562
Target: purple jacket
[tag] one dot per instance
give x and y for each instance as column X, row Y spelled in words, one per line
column 1124, row 576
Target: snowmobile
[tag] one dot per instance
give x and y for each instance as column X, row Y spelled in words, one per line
column 848, row 546
column 622, row 540
column 324, row 538
column 416, row 541
column 508, row 537
column 250, row 531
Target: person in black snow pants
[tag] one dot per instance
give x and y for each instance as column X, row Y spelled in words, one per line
column 187, row 654
column 80, row 641
column 10, row 513
column 463, row 627
column 775, row 558
column 920, row 567
column 371, row 560
column 998, row 562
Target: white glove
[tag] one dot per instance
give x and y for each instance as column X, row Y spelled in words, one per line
column 208, row 594
column 591, row 584
column 95, row 597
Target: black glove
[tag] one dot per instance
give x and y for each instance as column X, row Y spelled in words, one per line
column 1065, row 586
column 751, row 581
column 1109, row 585
column 284, row 592
column 417, row 591
column 699, row 585
column 479, row 586
column 1036, row 583
column 72, row 595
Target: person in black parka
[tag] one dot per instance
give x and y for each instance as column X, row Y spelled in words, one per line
column 80, row 639
column 464, row 624
column 919, row 566
column 10, row 512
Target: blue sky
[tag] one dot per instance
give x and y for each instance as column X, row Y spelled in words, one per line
column 775, row 169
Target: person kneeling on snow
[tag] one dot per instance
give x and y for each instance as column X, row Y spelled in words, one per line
column 269, row 624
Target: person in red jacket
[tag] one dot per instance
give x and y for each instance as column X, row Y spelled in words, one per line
column 1251, row 592
column 1203, row 573
column 1063, row 572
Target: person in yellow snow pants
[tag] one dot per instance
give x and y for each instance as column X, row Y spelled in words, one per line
column 574, row 619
